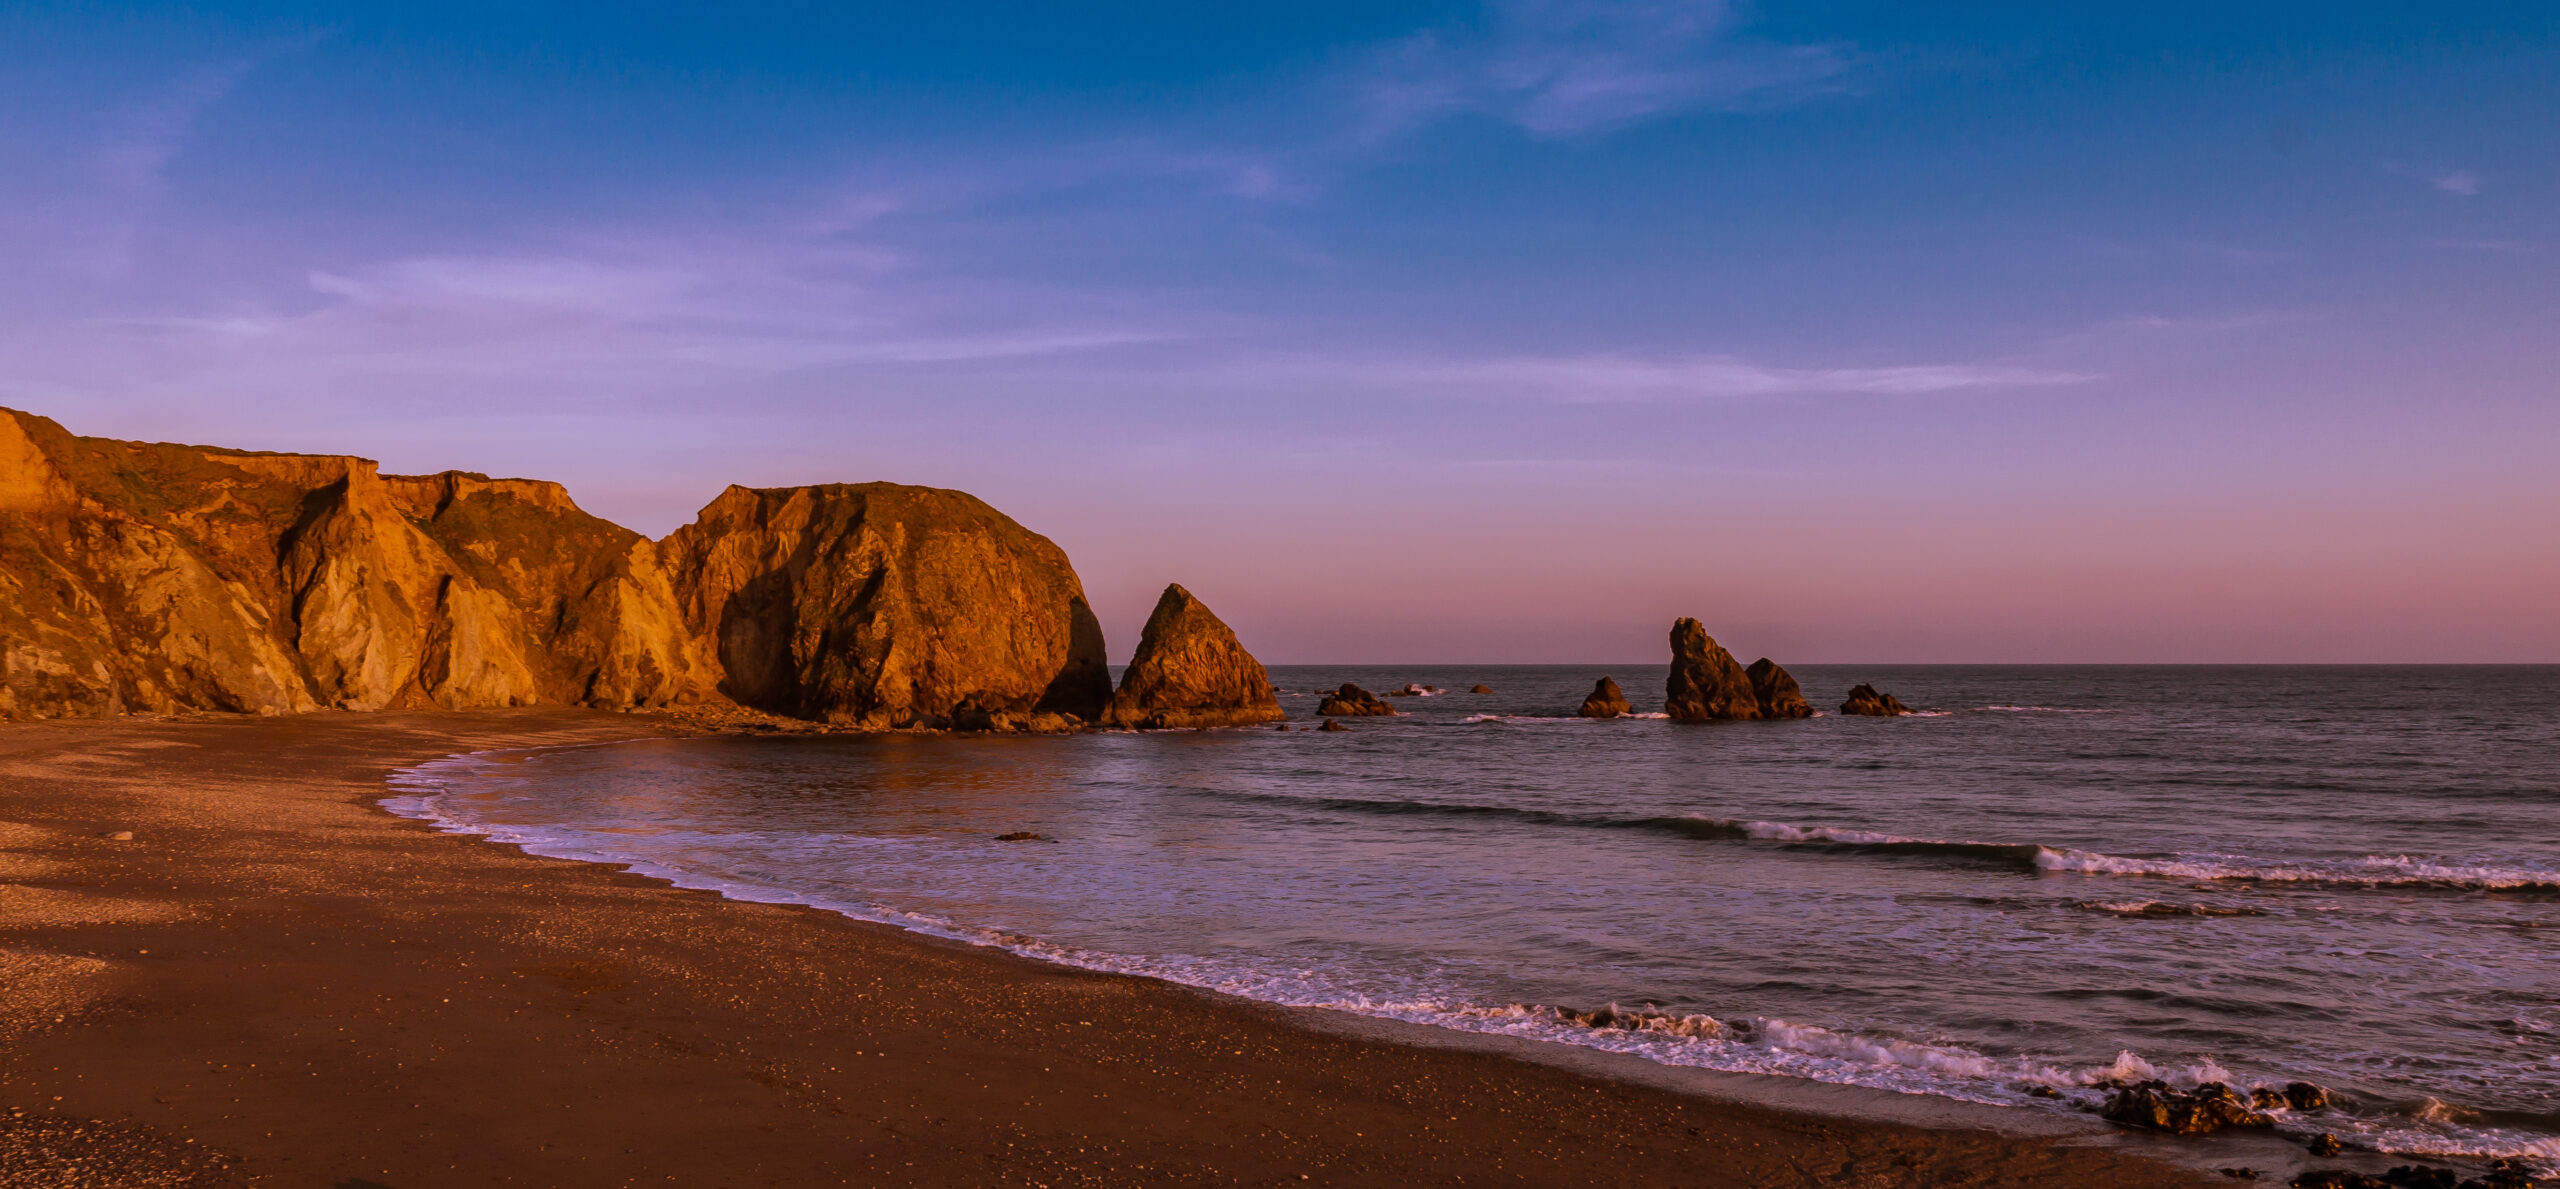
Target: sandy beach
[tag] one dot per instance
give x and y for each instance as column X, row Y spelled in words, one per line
column 274, row 982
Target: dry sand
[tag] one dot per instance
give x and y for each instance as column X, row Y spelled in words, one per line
column 275, row 982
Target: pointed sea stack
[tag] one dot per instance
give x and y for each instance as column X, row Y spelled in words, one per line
column 1776, row 691
column 1352, row 701
column 1190, row 672
column 1706, row 683
column 1606, row 701
column 1866, row 700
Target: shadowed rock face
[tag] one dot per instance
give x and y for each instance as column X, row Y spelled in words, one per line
column 1189, row 671
column 152, row 577
column 1606, row 701
column 1706, row 684
column 1776, row 692
column 879, row 605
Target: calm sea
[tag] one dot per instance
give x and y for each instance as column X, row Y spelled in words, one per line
column 2052, row 877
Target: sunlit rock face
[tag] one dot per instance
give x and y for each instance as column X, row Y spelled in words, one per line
column 881, row 605
column 1190, row 671
column 1705, row 684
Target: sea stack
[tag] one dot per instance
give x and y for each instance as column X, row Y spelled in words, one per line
column 1706, row 683
column 1352, row 701
column 1190, row 671
column 878, row 605
column 1867, row 700
column 1606, row 701
column 1776, row 691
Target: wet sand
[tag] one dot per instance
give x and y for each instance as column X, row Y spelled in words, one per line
column 275, row 982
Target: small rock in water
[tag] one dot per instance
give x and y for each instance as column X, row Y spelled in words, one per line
column 2244, row 1173
column 1020, row 836
column 1481, row 689
column 1352, row 700
column 1867, row 700
column 121, row 836
column 1333, row 725
column 2303, row 1096
column 2323, row 1144
column 1282, row 727
column 2207, row 1108
column 1606, row 701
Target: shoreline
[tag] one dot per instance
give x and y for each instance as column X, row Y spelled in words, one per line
column 277, row 981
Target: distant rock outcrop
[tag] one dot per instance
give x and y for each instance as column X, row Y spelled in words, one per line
column 1352, row 701
column 1776, row 692
column 1706, row 683
column 879, row 605
column 1189, row 671
column 1606, row 701
column 1481, row 689
column 152, row 577
column 1867, row 700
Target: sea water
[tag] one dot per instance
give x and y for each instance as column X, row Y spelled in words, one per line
column 2049, row 879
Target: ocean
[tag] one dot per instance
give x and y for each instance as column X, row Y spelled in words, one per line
column 2050, row 878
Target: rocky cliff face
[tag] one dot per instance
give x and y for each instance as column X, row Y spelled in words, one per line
column 1189, row 671
column 151, row 577
column 877, row 605
column 1706, row 683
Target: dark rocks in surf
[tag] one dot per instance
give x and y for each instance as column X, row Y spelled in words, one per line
column 2324, row 1145
column 1867, row 700
column 1333, row 725
column 1481, row 689
column 1706, row 683
column 2303, row 1096
column 1352, row 701
column 1776, row 691
column 2208, row 1108
column 1606, row 701
column 1021, row 836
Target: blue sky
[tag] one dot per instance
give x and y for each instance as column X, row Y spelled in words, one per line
column 1443, row 332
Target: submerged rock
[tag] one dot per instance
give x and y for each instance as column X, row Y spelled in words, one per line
column 1776, row 692
column 1606, row 701
column 1481, row 689
column 1331, row 724
column 1352, row 701
column 1867, row 700
column 1190, row 671
column 1706, row 683
column 2208, row 1108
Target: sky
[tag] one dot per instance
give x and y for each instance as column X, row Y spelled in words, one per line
column 1399, row 333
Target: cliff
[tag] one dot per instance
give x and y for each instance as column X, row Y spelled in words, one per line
column 162, row 578
column 1190, row 671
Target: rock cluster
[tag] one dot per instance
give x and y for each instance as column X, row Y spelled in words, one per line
column 1706, row 684
column 161, row 578
column 1352, row 701
column 1190, row 671
column 1867, row 700
column 2210, row 1107
column 1606, row 701
column 2502, row 1174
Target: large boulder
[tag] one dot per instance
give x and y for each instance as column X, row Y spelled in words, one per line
column 1706, row 683
column 880, row 605
column 1189, row 671
column 1776, row 692
column 1352, row 701
column 1606, row 701
column 1867, row 700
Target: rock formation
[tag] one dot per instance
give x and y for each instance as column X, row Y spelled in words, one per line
column 1481, row 689
column 1865, row 699
column 1775, row 690
column 1706, row 684
column 162, row 578
column 1351, row 700
column 878, row 605
column 1606, row 701
column 2207, row 1108
column 1189, row 671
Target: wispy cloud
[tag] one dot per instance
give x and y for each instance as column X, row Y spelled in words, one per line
column 1567, row 67
column 2460, row 181
column 1602, row 378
